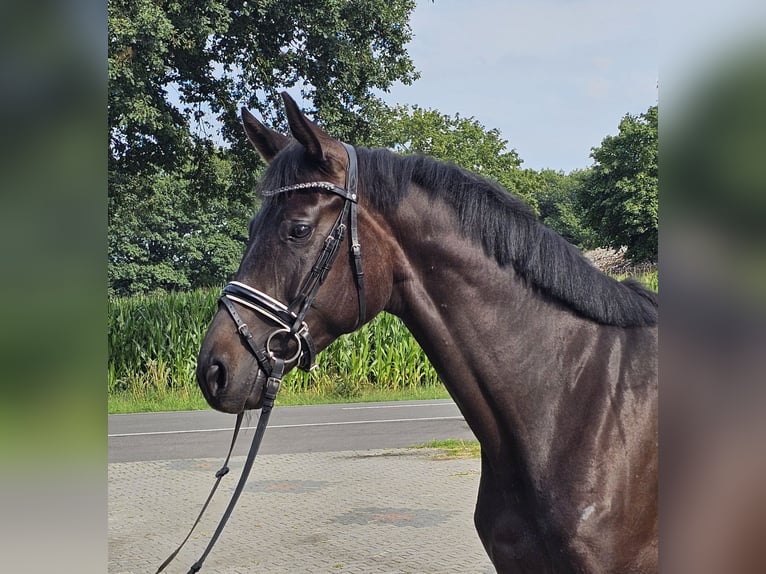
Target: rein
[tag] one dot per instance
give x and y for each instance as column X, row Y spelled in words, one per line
column 290, row 319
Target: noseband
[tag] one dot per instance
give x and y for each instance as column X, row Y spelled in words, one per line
column 291, row 318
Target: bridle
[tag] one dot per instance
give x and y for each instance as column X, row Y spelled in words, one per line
column 291, row 318
column 291, row 324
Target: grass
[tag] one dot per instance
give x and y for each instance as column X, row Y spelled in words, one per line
column 649, row 278
column 370, row 395
column 453, row 448
column 121, row 403
column 184, row 400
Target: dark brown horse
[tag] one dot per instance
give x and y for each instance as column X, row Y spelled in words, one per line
column 552, row 363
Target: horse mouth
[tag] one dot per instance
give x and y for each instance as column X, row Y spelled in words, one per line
column 254, row 398
column 236, row 398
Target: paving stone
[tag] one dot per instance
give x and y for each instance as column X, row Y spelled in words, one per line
column 382, row 511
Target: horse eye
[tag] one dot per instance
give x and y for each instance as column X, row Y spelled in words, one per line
column 300, row 231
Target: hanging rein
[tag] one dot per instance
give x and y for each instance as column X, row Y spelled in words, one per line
column 292, row 325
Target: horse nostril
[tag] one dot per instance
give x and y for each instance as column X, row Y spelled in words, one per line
column 216, row 376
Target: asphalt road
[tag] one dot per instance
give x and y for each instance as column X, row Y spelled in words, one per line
column 298, row 429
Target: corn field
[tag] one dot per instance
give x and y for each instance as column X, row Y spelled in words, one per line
column 154, row 341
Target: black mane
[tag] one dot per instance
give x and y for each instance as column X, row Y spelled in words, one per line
column 510, row 232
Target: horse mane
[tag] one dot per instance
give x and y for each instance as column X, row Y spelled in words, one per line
column 510, row 232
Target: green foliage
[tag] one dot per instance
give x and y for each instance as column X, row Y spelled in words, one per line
column 560, row 209
column 154, row 341
column 381, row 355
column 176, row 231
column 181, row 173
column 651, row 280
column 619, row 194
column 462, row 141
column 212, row 55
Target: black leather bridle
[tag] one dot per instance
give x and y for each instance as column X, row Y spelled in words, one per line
column 291, row 324
column 291, row 318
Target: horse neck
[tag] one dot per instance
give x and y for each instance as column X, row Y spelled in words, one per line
column 492, row 339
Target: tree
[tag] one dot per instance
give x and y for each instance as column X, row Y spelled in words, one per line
column 176, row 230
column 176, row 62
column 559, row 208
column 462, row 141
column 180, row 173
column 620, row 193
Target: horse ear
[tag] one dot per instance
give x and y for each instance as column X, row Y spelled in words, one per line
column 266, row 141
column 305, row 131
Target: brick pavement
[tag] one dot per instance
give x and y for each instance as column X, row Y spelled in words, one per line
column 376, row 511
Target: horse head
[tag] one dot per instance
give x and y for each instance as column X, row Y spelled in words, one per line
column 294, row 292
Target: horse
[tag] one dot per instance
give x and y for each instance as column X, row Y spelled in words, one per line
column 552, row 363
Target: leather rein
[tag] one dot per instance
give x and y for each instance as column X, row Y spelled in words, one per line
column 292, row 325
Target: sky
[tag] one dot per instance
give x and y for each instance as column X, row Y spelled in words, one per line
column 553, row 76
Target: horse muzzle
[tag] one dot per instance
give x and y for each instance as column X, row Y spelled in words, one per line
column 230, row 385
column 233, row 381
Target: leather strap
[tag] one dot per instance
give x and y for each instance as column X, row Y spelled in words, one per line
column 223, row 471
column 244, row 331
column 356, row 263
column 322, row 267
column 356, row 246
column 251, row 298
column 270, row 393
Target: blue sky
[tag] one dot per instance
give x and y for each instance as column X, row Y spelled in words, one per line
column 554, row 76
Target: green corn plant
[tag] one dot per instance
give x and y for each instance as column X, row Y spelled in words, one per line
column 154, row 339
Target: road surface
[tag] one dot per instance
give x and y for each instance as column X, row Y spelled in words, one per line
column 297, row 429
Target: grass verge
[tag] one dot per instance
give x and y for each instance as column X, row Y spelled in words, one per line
column 184, row 400
column 453, row 448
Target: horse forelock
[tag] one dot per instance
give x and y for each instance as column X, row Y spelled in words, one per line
column 286, row 168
